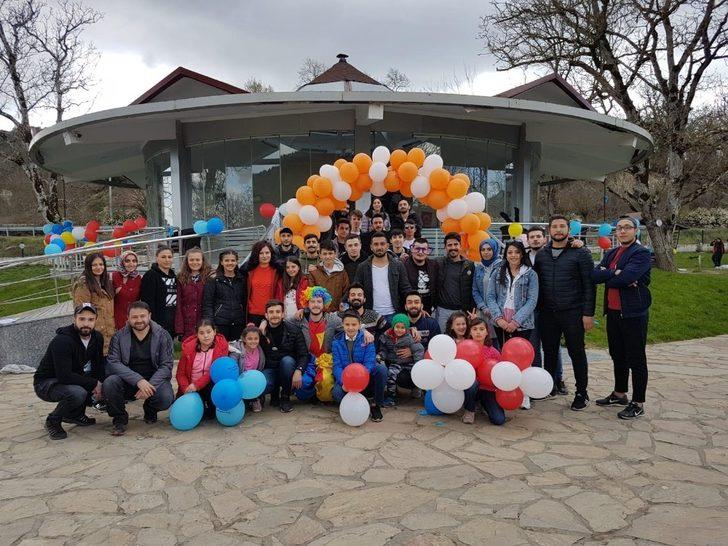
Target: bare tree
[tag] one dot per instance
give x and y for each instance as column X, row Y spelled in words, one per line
column 44, row 64
column 396, row 80
column 309, row 70
column 645, row 59
column 254, row 85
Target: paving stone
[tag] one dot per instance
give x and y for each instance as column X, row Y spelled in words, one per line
column 194, row 522
column 429, row 539
column 553, row 539
column 376, row 534
column 427, row 521
column 304, row 489
column 460, row 509
column 156, row 537
column 85, row 501
column 601, row 512
column 229, row 505
column 677, row 453
column 683, row 472
column 407, row 454
column 369, row 440
column 58, row 526
column 703, row 496
column 383, row 475
column 681, row 525
column 500, row 492
column 266, row 521
column 441, row 479
column 550, row 515
column 181, row 497
column 343, row 461
column 302, row 531
column 488, row 531
column 550, row 461
column 139, row 478
column 33, row 487
column 143, row 501
column 159, row 456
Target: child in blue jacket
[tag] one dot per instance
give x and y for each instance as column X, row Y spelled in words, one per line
column 349, row 347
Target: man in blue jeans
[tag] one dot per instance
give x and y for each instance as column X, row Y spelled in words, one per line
column 286, row 355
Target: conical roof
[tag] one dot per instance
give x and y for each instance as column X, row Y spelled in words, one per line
column 343, row 76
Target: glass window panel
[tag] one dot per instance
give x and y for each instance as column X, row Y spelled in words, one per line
column 266, row 172
column 241, row 208
column 295, row 153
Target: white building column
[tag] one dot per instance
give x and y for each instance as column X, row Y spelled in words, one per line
column 179, row 160
column 522, row 185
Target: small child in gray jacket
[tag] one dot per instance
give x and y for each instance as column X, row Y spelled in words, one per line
column 396, row 338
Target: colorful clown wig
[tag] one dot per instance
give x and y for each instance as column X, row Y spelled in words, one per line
column 315, row 292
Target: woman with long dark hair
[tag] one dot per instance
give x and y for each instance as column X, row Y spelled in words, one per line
column 224, row 297
column 127, row 286
column 194, row 273
column 159, row 289
column 377, row 206
column 94, row 286
column 457, row 326
column 294, row 283
column 263, row 280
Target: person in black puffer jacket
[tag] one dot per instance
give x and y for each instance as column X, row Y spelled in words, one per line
column 566, row 302
column 159, row 289
column 224, row 297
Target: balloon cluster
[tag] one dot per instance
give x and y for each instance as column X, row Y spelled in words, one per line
column 605, row 240
column 354, row 407
column 412, row 173
column 119, row 232
column 228, row 394
column 213, row 226
column 61, row 237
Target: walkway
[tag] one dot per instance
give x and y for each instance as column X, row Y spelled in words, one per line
column 549, row 476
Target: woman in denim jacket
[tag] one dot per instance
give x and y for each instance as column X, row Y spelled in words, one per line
column 489, row 261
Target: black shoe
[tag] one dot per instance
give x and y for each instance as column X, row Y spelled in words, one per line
column 581, row 401
column 553, row 393
column 82, row 420
column 561, row 388
column 118, row 429
column 55, row 430
column 376, row 413
column 611, row 400
column 150, row 416
column 100, row 406
column 632, row 411
column 275, row 401
column 209, row 414
column 285, row 405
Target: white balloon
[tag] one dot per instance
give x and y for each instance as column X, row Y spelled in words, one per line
column 457, row 208
column 447, row 399
column 342, row 191
column 324, row 223
column 283, row 209
column 381, row 155
column 329, row 171
column 378, row 189
column 378, row 171
column 78, row 232
column 536, row 382
column 475, row 201
column 364, row 202
column 354, row 409
column 309, row 215
column 459, row 374
column 293, row 206
column 420, row 186
column 427, row 374
column 431, row 163
column 505, row 375
column 442, row 214
column 442, row 349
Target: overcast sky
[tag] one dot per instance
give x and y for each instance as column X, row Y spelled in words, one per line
column 141, row 41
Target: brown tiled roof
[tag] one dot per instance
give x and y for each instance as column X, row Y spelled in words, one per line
column 551, row 78
column 343, row 71
column 182, row 72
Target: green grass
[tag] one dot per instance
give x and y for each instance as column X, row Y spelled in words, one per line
column 9, row 246
column 36, row 288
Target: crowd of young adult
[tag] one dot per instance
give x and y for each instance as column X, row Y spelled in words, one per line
column 370, row 292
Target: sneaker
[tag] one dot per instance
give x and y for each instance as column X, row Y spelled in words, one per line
column 581, row 401
column 416, row 393
column 118, row 429
column 632, row 411
column 150, row 416
column 82, row 420
column 561, row 388
column 375, row 413
column 553, row 393
column 100, row 406
column 55, row 430
column 389, row 402
column 612, row 399
column 526, row 404
column 468, row 417
column 256, row 406
column 285, row 404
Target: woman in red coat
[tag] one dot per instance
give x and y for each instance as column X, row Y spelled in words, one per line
column 191, row 280
column 127, row 286
column 199, row 351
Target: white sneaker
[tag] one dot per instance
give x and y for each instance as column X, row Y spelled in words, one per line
column 526, row 404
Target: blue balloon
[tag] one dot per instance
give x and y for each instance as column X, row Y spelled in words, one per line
column 575, row 227
column 60, row 243
column 200, row 227
column 66, row 224
column 186, row 412
column 47, row 228
column 252, row 383
column 52, row 249
column 215, row 226
column 605, row 230
column 230, row 418
column 226, row 394
column 56, row 229
column 224, row 368
column 430, row 405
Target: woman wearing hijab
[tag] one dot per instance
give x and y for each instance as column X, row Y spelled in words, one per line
column 489, row 261
column 127, row 286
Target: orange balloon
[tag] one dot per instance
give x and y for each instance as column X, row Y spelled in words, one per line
column 305, row 196
column 310, row 229
column 397, row 158
column 298, row 241
column 356, row 194
column 450, row 225
column 474, row 255
column 364, row 183
column 463, row 176
column 362, row 162
column 349, row 172
column 405, row 188
column 277, row 236
column 293, row 221
column 457, row 188
column 407, row 171
column 476, row 238
column 392, row 182
column 322, row 187
column 338, row 205
column 416, row 156
column 311, row 180
column 339, row 162
column 470, row 223
column 439, row 179
column 325, row 206
column 438, row 199
column 485, row 220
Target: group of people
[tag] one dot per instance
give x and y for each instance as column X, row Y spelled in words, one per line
column 366, row 294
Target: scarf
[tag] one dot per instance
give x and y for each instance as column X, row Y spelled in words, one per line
column 493, row 243
column 122, row 270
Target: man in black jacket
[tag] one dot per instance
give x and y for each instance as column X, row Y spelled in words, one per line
column 423, row 273
column 70, row 370
column 455, row 281
column 566, row 302
column 286, row 355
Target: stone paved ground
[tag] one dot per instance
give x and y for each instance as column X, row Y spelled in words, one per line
column 550, row 476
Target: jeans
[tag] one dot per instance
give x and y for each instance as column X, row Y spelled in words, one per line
column 552, row 324
column 71, row 398
column 442, row 316
column 537, row 361
column 117, row 392
column 496, row 415
column 280, row 378
column 398, row 374
column 375, row 389
column 627, row 338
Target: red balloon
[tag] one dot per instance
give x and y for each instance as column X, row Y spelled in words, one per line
column 93, row 225
column 355, row 378
column 47, row 239
column 470, row 351
column 111, row 252
column 605, row 243
column 427, row 355
column 140, row 222
column 267, row 210
column 519, row 351
column 91, row 235
column 483, row 374
column 509, row 400
column 129, row 226
column 118, row 232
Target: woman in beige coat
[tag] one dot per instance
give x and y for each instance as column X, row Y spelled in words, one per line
column 95, row 286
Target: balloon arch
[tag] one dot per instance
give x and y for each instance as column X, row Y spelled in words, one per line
column 412, row 173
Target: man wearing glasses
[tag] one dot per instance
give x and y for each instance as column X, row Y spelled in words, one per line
column 410, row 234
column 625, row 272
column 422, row 273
